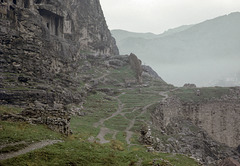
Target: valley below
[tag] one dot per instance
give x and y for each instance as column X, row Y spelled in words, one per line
column 68, row 98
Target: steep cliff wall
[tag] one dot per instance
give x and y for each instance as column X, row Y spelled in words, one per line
column 221, row 119
column 209, row 129
column 43, row 48
column 46, row 40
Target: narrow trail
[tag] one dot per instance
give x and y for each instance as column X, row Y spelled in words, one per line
column 29, row 148
column 12, row 144
column 101, row 77
column 119, row 110
column 103, row 129
column 165, row 94
column 102, row 133
column 129, row 134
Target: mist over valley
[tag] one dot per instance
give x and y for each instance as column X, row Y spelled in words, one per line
column 206, row 54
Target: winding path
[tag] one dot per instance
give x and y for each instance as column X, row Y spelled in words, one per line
column 29, row 148
column 103, row 129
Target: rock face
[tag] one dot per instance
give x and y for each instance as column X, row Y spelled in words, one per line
column 146, row 135
column 189, row 85
column 207, row 130
column 151, row 72
column 221, row 119
column 56, row 119
column 229, row 162
column 42, row 44
column 136, row 65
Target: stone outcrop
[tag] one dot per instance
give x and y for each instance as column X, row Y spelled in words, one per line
column 146, row 135
column 136, row 65
column 208, row 130
column 42, row 43
column 188, row 85
column 56, row 118
column 149, row 71
column 229, row 162
column 219, row 118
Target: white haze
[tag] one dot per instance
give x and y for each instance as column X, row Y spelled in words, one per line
column 159, row 15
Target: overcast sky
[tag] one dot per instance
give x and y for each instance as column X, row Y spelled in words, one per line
column 159, row 15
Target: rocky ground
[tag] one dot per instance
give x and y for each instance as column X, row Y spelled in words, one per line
column 109, row 109
column 118, row 107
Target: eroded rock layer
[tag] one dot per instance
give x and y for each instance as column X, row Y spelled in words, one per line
column 42, row 46
column 206, row 129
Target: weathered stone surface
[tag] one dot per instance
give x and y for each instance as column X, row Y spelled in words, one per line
column 238, row 148
column 207, row 130
column 188, row 85
column 136, row 65
column 42, row 44
column 229, row 162
column 150, row 72
column 146, row 135
column 56, row 118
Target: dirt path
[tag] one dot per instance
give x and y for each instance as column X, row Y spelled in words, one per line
column 29, row 148
column 103, row 129
column 102, row 133
column 165, row 94
column 119, row 110
column 144, row 110
column 129, row 134
column 101, row 77
column 12, row 144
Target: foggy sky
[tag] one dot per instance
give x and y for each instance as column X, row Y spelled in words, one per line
column 159, row 15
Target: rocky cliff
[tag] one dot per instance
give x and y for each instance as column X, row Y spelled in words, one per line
column 54, row 54
column 206, row 129
column 43, row 48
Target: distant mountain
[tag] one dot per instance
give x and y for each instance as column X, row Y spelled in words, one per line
column 122, row 35
column 175, row 30
column 197, row 53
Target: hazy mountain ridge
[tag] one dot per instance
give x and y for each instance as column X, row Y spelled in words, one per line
column 213, row 43
column 61, row 69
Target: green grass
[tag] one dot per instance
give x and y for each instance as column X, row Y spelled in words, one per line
column 121, row 74
column 117, row 123
column 18, row 131
column 83, row 127
column 132, row 115
column 135, row 139
column 121, row 135
column 188, row 94
column 108, row 136
column 82, row 153
column 97, row 107
column 132, row 100
column 9, row 109
column 12, row 148
column 76, row 150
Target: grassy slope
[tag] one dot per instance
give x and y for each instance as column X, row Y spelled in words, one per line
column 207, row 93
column 77, row 150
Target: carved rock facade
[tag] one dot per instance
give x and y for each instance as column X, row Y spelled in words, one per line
column 42, row 43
